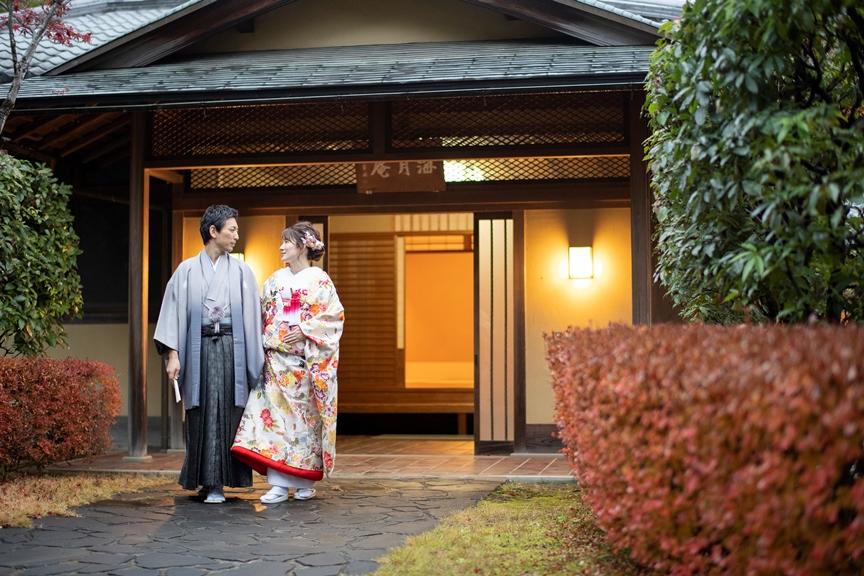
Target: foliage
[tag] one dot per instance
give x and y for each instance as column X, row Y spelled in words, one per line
column 39, row 283
column 719, row 450
column 53, row 410
column 23, row 20
column 30, row 496
column 757, row 157
column 519, row 529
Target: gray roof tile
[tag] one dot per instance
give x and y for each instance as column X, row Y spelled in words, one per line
column 106, row 22
column 242, row 75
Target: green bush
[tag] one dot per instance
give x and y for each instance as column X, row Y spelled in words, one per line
column 39, row 282
column 757, row 157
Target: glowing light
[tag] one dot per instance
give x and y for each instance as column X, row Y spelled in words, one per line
column 456, row 171
column 581, row 262
column 239, row 256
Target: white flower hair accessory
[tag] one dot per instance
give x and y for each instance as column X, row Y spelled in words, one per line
column 311, row 242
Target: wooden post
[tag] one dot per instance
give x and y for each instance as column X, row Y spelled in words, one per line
column 519, row 384
column 640, row 212
column 139, row 208
column 177, row 438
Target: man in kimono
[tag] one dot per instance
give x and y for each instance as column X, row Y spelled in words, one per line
column 209, row 331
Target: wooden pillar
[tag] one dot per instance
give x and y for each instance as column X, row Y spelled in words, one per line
column 177, row 439
column 139, row 208
column 640, row 212
column 520, row 443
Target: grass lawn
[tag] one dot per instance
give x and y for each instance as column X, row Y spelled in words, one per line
column 519, row 530
column 29, row 496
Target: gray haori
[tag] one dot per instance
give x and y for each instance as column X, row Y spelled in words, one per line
column 193, row 292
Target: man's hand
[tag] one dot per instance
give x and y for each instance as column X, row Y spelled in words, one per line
column 172, row 366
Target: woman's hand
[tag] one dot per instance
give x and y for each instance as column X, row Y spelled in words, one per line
column 294, row 336
column 172, row 366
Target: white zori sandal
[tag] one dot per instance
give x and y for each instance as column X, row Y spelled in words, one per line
column 215, row 495
column 275, row 495
column 304, row 493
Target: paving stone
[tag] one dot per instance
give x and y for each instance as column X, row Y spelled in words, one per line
column 322, row 559
column 386, row 541
column 160, row 560
column 39, row 556
column 186, row 571
column 319, row 571
column 360, row 567
column 262, row 568
column 52, row 569
column 342, row 532
column 132, row 571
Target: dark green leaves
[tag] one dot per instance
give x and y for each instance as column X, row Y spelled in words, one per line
column 757, row 157
column 39, row 282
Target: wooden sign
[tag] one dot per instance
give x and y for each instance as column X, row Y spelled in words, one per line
column 400, row 176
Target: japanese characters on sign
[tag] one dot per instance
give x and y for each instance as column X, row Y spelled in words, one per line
column 400, row 176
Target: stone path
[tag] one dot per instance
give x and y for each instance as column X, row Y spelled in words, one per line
column 168, row 532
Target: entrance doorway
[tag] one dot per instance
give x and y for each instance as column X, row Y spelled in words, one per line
column 407, row 353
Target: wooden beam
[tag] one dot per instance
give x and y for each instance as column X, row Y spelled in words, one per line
column 108, row 146
column 170, row 176
column 183, row 29
column 459, row 197
column 93, row 138
column 39, row 131
column 28, row 152
column 86, row 126
column 640, row 213
column 139, row 204
column 598, row 27
column 413, row 154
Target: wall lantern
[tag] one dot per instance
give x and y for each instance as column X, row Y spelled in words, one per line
column 239, row 256
column 581, row 262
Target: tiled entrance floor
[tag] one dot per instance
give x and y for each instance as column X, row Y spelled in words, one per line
column 380, row 457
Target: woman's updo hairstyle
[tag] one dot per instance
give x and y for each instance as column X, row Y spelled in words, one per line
column 303, row 234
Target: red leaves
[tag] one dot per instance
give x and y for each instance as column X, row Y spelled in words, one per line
column 718, row 450
column 52, row 410
column 28, row 21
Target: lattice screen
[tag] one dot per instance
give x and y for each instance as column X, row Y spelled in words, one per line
column 271, row 129
column 509, row 120
column 472, row 170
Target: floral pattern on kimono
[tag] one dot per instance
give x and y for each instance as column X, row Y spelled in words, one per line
column 290, row 424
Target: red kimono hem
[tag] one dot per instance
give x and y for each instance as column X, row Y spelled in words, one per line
column 260, row 464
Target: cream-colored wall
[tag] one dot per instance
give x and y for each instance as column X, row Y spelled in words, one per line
column 260, row 237
column 109, row 343
column 319, row 23
column 554, row 302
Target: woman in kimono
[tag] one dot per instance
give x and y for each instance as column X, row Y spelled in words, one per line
column 288, row 430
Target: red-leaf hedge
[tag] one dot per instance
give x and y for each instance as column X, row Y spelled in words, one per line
column 719, row 450
column 53, row 410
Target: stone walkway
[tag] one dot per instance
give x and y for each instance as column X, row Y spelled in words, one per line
column 172, row 533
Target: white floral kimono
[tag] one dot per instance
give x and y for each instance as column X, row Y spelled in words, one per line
column 290, row 425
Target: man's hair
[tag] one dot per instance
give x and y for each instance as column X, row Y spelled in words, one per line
column 215, row 215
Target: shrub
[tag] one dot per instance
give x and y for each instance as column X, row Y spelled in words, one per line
column 757, row 159
column 53, row 410
column 719, row 450
column 39, row 282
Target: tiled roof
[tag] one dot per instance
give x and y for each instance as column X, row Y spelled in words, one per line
column 106, row 22
column 654, row 12
column 344, row 70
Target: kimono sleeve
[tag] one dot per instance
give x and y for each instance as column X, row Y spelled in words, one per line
column 167, row 335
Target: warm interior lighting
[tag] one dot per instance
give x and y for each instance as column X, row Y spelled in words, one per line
column 581, row 262
column 239, row 256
